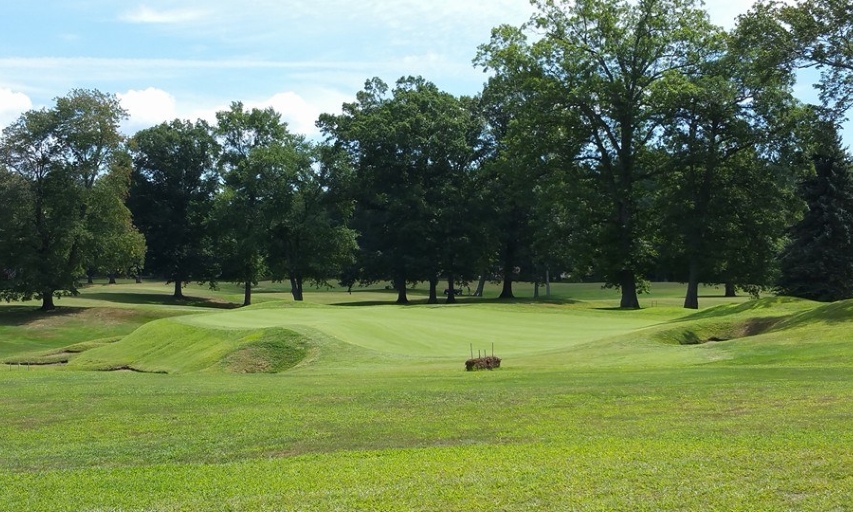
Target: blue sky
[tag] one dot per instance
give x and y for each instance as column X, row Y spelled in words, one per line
column 191, row 58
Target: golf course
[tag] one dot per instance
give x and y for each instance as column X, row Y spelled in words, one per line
column 124, row 400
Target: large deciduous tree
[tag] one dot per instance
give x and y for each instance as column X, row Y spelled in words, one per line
column 277, row 214
column 721, row 141
column 60, row 156
column 171, row 195
column 115, row 245
column 411, row 150
column 600, row 62
column 247, row 137
column 308, row 236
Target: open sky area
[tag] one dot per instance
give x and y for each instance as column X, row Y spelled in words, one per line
column 191, row 58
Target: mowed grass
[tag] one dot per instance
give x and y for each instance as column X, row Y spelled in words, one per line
column 369, row 408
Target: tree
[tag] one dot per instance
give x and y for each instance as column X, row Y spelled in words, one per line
column 511, row 166
column 241, row 212
column 820, row 32
column 59, row 155
column 171, row 195
column 410, row 151
column 816, row 262
column 115, row 245
column 600, row 62
column 15, row 196
column 725, row 125
column 305, row 216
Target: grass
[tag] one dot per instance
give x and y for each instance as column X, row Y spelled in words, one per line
column 321, row 406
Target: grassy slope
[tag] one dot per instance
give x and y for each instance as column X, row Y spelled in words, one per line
column 593, row 410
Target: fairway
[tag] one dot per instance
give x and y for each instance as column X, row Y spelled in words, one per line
column 440, row 331
column 346, row 403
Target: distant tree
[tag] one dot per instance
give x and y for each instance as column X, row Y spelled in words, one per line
column 116, row 246
column 171, row 196
column 309, row 239
column 725, row 125
column 508, row 180
column 60, row 157
column 410, row 151
column 816, row 263
column 242, row 210
column 15, row 196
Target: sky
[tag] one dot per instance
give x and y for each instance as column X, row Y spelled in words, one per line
column 188, row 59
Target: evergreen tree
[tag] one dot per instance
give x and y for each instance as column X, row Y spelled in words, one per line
column 816, row 263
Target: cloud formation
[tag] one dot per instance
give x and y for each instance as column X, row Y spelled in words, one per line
column 12, row 105
column 145, row 14
column 147, row 107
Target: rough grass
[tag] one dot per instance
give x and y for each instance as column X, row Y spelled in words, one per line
column 371, row 409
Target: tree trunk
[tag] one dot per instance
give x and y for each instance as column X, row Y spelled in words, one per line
column 247, row 293
column 547, row 282
column 433, row 293
column 481, row 284
column 47, row 301
column 628, row 284
column 112, row 278
column 536, row 289
column 451, row 290
column 89, row 279
column 506, row 291
column 401, row 293
column 731, row 291
column 296, row 288
column 138, row 278
column 691, row 300
column 179, row 292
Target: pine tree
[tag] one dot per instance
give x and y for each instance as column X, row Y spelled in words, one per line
column 817, row 263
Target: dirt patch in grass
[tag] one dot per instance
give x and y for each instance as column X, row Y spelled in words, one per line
column 742, row 329
column 130, row 369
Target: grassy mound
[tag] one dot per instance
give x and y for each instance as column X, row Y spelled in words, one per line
column 168, row 346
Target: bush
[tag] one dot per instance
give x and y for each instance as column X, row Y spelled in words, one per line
column 483, row 363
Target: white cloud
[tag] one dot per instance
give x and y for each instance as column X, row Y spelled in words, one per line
column 299, row 113
column 148, row 107
column 152, row 106
column 12, row 105
column 145, row 14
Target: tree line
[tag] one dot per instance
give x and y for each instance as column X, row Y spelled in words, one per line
column 614, row 141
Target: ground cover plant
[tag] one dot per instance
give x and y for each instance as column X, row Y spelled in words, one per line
column 349, row 402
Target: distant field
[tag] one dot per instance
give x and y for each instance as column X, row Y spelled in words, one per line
column 348, row 402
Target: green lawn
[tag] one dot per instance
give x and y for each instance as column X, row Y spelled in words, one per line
column 336, row 404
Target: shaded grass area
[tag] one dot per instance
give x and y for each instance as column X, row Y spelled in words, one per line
column 25, row 329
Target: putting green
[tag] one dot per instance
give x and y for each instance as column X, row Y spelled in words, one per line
column 440, row 331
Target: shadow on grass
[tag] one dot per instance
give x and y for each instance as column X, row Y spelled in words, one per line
column 158, row 299
column 460, row 300
column 752, row 306
column 831, row 313
column 23, row 315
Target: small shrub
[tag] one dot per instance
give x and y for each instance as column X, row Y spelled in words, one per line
column 483, row 363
